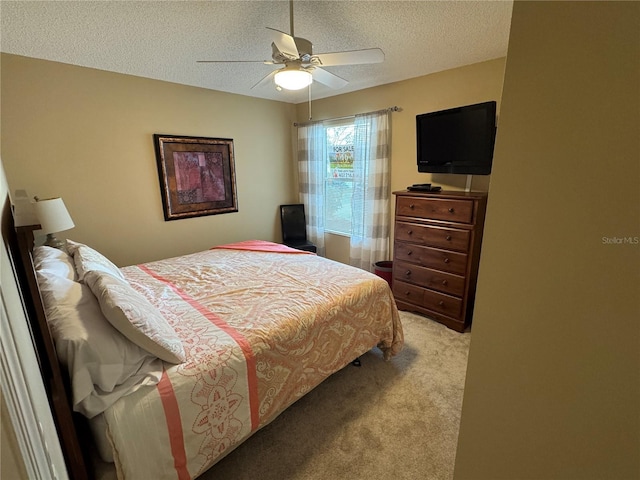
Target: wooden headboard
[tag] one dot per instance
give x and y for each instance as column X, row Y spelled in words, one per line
column 71, row 428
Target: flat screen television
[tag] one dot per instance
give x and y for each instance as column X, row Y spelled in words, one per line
column 458, row 140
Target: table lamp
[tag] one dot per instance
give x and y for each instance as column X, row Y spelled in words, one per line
column 53, row 217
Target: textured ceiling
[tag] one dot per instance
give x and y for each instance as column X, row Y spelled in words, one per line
column 163, row 39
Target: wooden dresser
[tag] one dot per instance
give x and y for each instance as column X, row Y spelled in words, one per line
column 436, row 254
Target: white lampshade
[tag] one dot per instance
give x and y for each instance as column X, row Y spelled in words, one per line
column 293, row 79
column 53, row 215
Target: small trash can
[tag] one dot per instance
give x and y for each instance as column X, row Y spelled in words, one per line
column 384, row 269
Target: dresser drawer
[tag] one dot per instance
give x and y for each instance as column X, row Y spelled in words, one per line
column 448, row 238
column 450, row 210
column 407, row 293
column 426, row 277
column 442, row 303
column 445, row 260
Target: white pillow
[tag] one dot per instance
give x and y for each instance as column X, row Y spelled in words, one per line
column 53, row 261
column 87, row 259
column 135, row 317
column 103, row 365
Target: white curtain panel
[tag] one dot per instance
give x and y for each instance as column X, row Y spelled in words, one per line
column 371, row 191
column 311, row 174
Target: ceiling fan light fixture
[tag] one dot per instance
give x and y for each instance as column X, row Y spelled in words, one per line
column 291, row 79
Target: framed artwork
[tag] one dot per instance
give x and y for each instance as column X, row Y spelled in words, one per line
column 197, row 176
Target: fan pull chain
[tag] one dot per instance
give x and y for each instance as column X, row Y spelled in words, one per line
column 310, row 100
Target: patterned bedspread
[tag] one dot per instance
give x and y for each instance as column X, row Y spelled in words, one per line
column 260, row 329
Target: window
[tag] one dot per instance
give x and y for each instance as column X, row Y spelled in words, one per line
column 338, row 182
column 343, row 174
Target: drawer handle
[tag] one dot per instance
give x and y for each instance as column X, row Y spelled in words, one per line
column 441, row 303
column 451, row 210
column 409, row 252
column 446, row 260
column 445, row 283
column 412, row 206
column 410, row 232
column 407, row 293
column 408, row 273
column 448, row 238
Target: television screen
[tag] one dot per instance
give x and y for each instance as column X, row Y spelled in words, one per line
column 458, row 140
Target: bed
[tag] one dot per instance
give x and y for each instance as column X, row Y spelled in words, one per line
column 211, row 346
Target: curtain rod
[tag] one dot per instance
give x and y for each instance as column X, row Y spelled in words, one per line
column 390, row 109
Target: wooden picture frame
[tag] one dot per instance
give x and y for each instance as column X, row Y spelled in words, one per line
column 197, row 175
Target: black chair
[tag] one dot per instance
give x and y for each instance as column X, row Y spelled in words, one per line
column 294, row 227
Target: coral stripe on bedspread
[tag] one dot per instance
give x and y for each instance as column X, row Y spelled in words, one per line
column 259, row 330
column 262, row 246
column 172, row 414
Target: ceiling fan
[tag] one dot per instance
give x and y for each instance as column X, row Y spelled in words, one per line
column 301, row 66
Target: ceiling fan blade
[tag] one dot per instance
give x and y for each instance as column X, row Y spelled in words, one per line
column 353, row 57
column 285, row 44
column 327, row 78
column 265, row 80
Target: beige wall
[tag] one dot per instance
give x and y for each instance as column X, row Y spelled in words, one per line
column 553, row 382
column 86, row 135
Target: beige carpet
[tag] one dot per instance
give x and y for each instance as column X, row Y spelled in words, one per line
column 383, row 420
